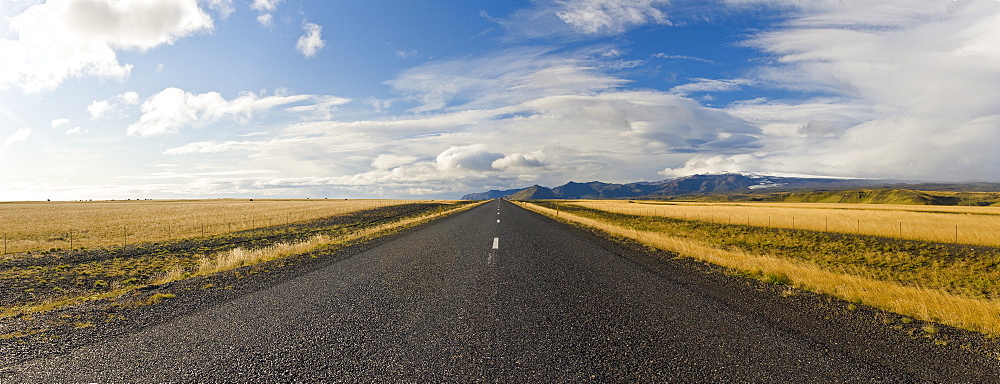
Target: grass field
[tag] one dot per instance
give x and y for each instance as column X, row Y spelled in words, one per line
column 41, row 281
column 42, row 226
column 950, row 224
column 953, row 283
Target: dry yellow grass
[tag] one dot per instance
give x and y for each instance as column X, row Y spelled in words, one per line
column 35, row 226
column 238, row 257
column 962, row 225
column 976, row 314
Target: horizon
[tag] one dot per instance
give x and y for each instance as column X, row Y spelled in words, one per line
column 277, row 99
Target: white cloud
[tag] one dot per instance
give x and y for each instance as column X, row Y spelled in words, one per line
column 266, row 9
column 265, row 19
column 712, row 85
column 173, row 108
column 265, row 5
column 75, row 130
column 389, row 161
column 474, row 157
column 58, row 123
column 98, row 108
column 61, row 39
column 504, row 78
column 18, row 136
column 516, row 160
column 662, row 55
column 611, row 16
column 312, row 42
column 912, row 85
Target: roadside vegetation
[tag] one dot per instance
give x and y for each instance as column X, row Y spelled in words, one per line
column 41, row 281
column 44, row 226
column 955, row 283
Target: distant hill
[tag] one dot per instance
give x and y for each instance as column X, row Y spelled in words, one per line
column 751, row 187
column 683, row 185
column 534, row 192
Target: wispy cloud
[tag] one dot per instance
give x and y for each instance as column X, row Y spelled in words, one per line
column 712, row 85
column 662, row 55
column 912, row 83
column 173, row 108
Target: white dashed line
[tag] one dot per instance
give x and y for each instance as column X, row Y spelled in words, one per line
column 496, row 243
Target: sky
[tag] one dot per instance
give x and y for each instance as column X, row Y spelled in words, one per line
column 117, row 99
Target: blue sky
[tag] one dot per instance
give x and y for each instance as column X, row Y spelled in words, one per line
column 123, row 99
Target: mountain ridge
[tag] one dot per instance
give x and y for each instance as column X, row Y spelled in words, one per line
column 750, row 187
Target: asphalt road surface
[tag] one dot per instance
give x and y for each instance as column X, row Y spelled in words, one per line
column 500, row 294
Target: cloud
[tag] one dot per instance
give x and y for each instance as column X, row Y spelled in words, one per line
column 62, row 39
column 503, row 78
column 389, row 161
column 467, row 158
column 75, row 130
column 582, row 19
column 516, row 160
column 499, row 129
column 58, row 123
column 312, row 42
column 909, row 85
column 173, row 108
column 18, row 136
column 610, row 16
column 265, row 9
column 712, row 85
column 99, row 109
column 662, row 55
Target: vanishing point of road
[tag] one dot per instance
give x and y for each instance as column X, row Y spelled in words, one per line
column 501, row 294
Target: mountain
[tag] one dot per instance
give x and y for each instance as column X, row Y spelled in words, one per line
column 695, row 184
column 491, row 194
column 534, row 192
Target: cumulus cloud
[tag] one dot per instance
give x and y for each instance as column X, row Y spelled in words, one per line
column 265, row 9
column 516, row 160
column 312, row 42
column 173, row 108
column 474, row 157
column 99, row 109
column 61, row 39
column 498, row 130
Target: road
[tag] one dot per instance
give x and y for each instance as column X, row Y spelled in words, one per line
column 500, row 294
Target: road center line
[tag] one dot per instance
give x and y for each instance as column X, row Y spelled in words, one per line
column 496, row 243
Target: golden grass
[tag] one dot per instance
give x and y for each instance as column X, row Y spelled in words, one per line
column 949, row 224
column 981, row 315
column 38, row 226
column 236, row 258
column 239, row 257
